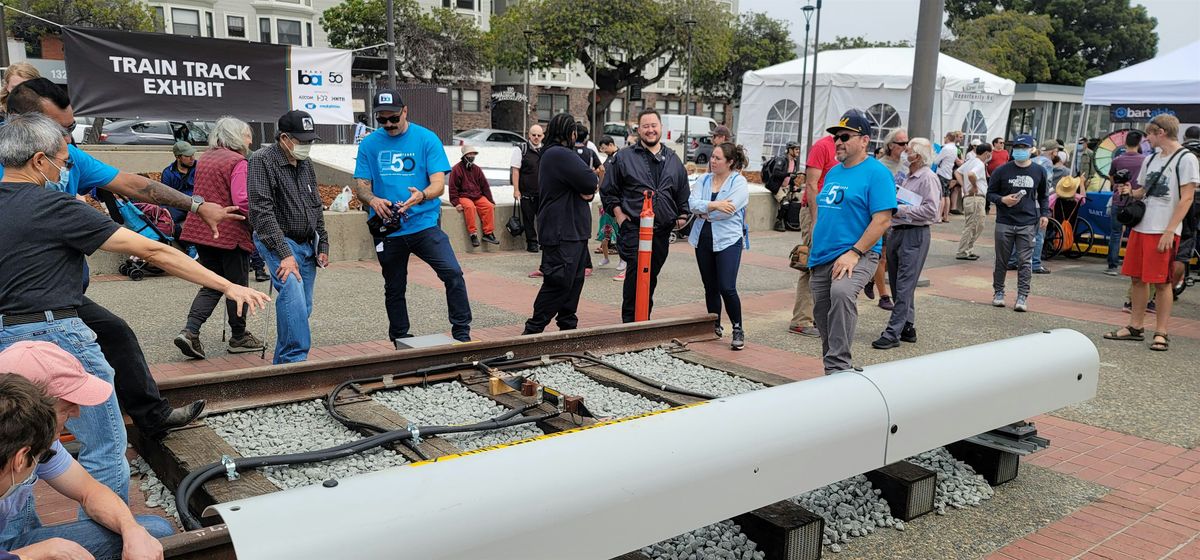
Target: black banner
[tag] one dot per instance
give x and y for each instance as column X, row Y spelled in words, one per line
column 1143, row 113
column 160, row 76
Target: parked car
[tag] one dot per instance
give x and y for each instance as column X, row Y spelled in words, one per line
column 700, row 149
column 672, row 126
column 488, row 137
column 619, row 132
column 155, row 132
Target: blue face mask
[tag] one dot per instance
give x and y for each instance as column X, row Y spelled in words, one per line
column 64, row 180
column 1020, row 154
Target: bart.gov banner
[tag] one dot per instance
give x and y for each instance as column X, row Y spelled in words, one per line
column 159, row 76
column 319, row 83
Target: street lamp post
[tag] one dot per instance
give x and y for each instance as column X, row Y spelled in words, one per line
column 528, row 70
column 687, row 89
column 808, row 14
column 812, row 96
column 391, row 46
column 595, row 30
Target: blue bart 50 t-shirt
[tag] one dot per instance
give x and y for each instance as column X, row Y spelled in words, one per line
column 395, row 163
column 845, row 205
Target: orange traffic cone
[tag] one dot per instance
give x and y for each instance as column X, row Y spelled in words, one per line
column 641, row 302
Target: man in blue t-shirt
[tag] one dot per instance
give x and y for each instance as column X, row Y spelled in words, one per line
column 854, row 209
column 400, row 174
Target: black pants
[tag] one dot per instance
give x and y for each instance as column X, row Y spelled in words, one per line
column 562, row 283
column 529, row 206
column 232, row 265
column 432, row 246
column 136, row 390
column 718, row 272
column 627, row 241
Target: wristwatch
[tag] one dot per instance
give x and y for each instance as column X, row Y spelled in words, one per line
column 197, row 200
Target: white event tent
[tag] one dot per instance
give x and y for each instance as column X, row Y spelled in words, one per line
column 877, row 81
column 1168, row 82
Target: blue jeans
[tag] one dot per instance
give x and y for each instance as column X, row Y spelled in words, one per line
column 432, row 246
column 100, row 429
column 1115, row 230
column 1039, row 238
column 293, row 302
column 102, row 543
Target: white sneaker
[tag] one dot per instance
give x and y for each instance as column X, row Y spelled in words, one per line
column 1020, row 305
column 604, row 262
column 998, row 299
column 621, row 266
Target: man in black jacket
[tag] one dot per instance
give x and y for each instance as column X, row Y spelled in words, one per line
column 645, row 166
column 564, row 224
column 525, row 161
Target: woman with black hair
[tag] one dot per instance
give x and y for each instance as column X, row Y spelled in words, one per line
column 564, row 225
column 719, row 203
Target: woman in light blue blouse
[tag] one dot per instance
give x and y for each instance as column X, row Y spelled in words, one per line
column 719, row 234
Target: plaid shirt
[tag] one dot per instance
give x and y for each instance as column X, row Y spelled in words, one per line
column 284, row 201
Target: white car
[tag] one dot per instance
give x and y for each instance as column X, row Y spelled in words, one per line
column 487, row 137
column 82, row 126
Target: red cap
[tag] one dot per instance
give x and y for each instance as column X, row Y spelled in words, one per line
column 56, row 370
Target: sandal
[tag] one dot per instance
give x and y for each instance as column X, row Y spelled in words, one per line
column 1161, row 346
column 1131, row 333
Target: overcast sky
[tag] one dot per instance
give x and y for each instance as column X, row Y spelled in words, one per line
column 891, row 20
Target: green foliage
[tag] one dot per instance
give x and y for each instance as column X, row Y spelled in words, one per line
column 841, row 43
column 125, row 15
column 436, row 46
column 1090, row 37
column 758, row 41
column 1009, row 44
column 632, row 36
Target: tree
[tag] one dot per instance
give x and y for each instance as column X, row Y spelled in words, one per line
column 1090, row 37
column 1009, row 44
column 841, row 43
column 436, row 46
column 125, row 15
column 632, row 38
column 758, row 41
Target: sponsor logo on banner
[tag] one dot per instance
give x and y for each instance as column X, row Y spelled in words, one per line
column 1188, row 113
column 321, row 84
column 310, row 105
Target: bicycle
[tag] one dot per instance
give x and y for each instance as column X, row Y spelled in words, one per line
column 1073, row 239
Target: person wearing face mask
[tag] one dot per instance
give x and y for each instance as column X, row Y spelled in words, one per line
column 45, row 236
column 1020, row 192
column 42, row 388
column 222, row 179
column 400, row 174
column 471, row 195
column 288, row 220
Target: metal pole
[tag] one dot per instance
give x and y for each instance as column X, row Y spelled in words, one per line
column 595, row 87
column 925, row 62
column 812, row 95
column 687, row 92
column 391, row 49
column 528, row 64
column 3, row 40
column 804, row 74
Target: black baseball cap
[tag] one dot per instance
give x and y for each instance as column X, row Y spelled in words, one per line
column 298, row 125
column 388, row 100
column 854, row 121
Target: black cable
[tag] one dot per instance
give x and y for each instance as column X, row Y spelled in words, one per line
column 651, row 382
column 203, row 474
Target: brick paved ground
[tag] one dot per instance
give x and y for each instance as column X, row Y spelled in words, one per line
column 1151, row 508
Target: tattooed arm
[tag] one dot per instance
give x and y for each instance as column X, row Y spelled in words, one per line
column 143, row 189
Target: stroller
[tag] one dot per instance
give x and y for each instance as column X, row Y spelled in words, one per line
column 148, row 220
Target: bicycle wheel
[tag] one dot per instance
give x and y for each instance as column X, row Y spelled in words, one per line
column 1083, row 241
column 1052, row 243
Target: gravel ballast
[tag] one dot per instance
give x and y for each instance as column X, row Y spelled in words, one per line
column 600, row 399
column 851, row 508
column 452, row 404
column 661, row 366
column 958, row 485
column 296, row 428
column 724, row 541
column 156, row 493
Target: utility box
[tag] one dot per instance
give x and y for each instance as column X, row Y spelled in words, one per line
column 996, row 466
column 907, row 488
column 784, row 531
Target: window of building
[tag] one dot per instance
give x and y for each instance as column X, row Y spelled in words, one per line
column 208, row 24
column 616, row 111
column 675, row 71
column 264, row 30
column 460, row 4
column 714, row 111
column 185, row 22
column 235, row 26
column 782, row 127
column 549, row 105
column 289, row 32
column 160, row 19
column 974, row 127
column 886, row 119
column 308, row 33
column 667, row 106
column 466, row 100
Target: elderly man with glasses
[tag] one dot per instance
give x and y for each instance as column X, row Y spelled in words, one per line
column 854, row 209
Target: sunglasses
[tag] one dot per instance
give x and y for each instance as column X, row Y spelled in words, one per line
column 845, row 137
column 394, row 119
column 71, row 127
column 905, row 143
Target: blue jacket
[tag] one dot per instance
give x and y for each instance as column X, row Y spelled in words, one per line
column 727, row 229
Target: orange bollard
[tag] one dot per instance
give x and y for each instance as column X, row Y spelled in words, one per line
column 641, row 303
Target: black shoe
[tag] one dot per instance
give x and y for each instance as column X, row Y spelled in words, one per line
column 1041, row 270
column 491, row 238
column 739, row 339
column 779, row 226
column 882, row 343
column 531, row 247
column 869, row 290
column 908, row 333
column 474, row 240
column 719, row 330
column 260, row 275
column 182, row 416
column 189, row 344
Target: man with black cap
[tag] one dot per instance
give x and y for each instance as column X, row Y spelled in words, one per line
column 400, row 174
column 854, row 209
column 287, row 216
column 1020, row 192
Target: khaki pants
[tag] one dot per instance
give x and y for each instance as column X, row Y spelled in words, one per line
column 802, row 311
column 972, row 207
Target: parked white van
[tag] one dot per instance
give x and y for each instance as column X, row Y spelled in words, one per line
column 672, row 127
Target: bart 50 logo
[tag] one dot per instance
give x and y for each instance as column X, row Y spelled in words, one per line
column 315, row 78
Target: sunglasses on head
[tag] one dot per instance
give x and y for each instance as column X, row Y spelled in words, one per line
column 845, row 137
column 394, row 119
